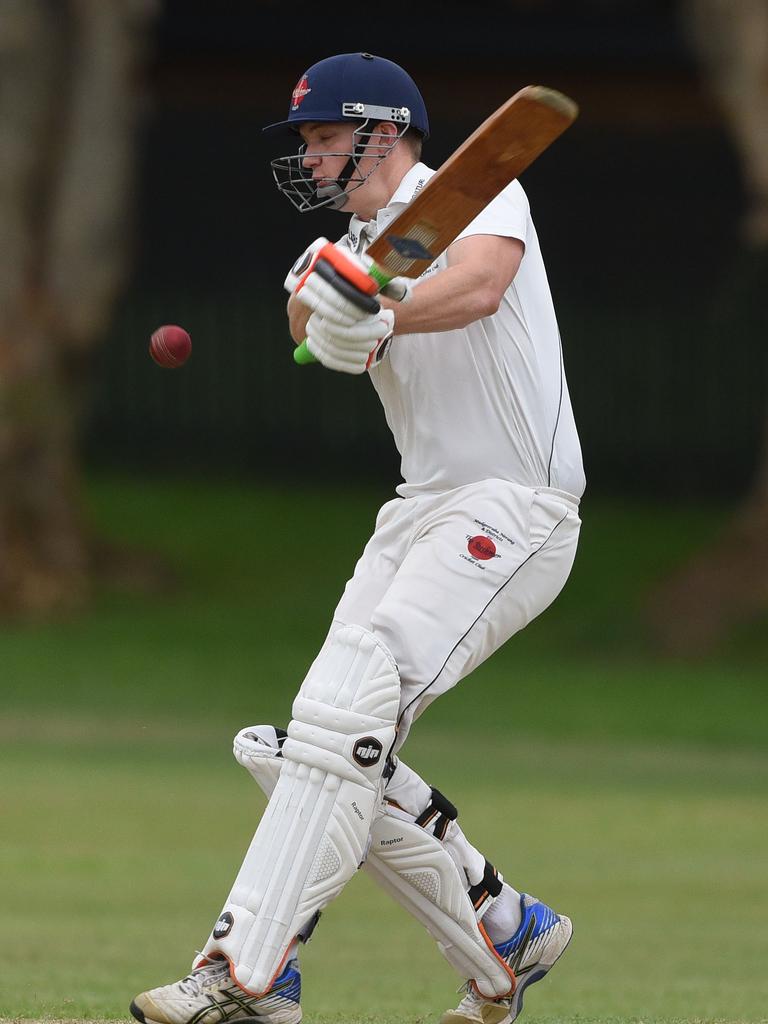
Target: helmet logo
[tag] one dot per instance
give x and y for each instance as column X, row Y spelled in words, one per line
column 300, row 91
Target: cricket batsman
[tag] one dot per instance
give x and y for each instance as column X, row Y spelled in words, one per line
column 481, row 537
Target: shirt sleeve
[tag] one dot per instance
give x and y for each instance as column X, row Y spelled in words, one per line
column 507, row 215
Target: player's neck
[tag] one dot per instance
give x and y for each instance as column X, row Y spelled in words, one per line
column 378, row 190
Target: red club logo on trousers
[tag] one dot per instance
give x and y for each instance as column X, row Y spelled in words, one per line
column 481, row 547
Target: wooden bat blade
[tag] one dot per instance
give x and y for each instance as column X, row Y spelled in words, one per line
column 494, row 155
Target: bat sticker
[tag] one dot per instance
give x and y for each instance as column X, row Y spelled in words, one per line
column 410, row 248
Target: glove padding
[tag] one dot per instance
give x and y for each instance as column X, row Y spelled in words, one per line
column 335, row 283
column 350, row 348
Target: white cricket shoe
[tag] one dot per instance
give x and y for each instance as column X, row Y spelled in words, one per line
column 536, row 945
column 209, row 996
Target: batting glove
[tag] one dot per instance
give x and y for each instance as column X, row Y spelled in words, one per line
column 350, row 348
column 333, row 282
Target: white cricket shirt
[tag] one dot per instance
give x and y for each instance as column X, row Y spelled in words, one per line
column 489, row 400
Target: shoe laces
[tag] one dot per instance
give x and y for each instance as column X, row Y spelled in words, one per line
column 472, row 1000
column 204, row 975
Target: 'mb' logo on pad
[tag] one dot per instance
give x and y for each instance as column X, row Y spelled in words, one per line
column 367, row 751
column 223, row 925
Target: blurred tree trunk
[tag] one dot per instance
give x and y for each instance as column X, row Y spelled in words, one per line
column 727, row 584
column 68, row 115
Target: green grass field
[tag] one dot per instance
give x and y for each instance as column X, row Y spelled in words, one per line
column 627, row 789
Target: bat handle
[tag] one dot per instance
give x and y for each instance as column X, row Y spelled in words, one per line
column 301, row 354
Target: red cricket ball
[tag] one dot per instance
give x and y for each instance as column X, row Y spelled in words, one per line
column 170, row 346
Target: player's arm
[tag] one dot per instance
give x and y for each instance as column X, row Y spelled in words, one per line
column 480, row 269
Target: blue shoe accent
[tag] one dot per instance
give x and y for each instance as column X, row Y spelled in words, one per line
column 537, row 919
column 535, row 947
column 288, row 985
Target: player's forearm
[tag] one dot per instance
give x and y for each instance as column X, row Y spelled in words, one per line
column 447, row 301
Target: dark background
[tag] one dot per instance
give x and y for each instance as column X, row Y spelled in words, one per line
column 637, row 209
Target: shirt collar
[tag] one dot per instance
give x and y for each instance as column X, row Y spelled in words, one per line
column 365, row 231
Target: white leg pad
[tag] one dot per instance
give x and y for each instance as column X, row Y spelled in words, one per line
column 417, row 870
column 429, row 878
column 314, row 832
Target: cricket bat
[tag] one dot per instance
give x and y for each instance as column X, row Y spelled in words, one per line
column 494, row 155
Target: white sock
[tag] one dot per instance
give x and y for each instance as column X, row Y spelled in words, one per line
column 502, row 919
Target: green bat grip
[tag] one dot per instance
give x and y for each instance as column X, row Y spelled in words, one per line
column 301, row 354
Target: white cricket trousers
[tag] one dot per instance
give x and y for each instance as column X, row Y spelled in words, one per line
column 446, row 579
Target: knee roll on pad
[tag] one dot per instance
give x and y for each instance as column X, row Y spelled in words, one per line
column 314, row 832
column 259, row 749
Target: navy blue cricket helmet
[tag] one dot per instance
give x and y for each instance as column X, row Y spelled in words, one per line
column 355, row 86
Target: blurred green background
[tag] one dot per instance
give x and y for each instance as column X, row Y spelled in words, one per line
column 602, row 768
column 626, row 788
